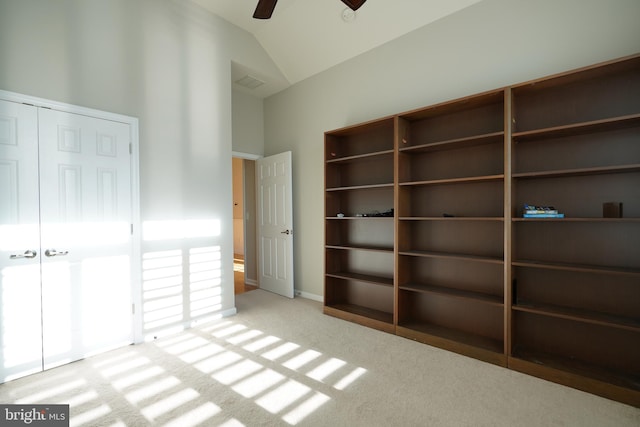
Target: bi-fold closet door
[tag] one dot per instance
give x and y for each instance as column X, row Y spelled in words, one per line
column 65, row 237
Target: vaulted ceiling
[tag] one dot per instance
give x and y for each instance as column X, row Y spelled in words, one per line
column 306, row 37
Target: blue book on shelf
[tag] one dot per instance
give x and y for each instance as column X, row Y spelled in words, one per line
column 543, row 215
column 536, row 212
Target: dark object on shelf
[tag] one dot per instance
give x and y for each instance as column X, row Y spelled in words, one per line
column 448, row 215
column 612, row 210
column 388, row 213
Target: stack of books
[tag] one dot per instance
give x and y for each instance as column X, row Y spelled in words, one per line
column 531, row 211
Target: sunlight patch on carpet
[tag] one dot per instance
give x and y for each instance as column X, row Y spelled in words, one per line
column 91, row 416
column 195, row 416
column 258, row 383
column 277, row 392
column 307, row 407
column 286, row 394
column 168, row 404
column 280, row 351
column 165, row 384
column 301, row 360
column 349, row 379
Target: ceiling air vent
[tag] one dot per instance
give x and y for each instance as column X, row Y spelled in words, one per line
column 249, row 82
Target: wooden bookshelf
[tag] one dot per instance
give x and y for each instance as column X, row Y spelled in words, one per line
column 359, row 247
column 575, row 281
column 455, row 265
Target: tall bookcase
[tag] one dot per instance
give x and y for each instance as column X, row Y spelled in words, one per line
column 576, row 280
column 359, row 251
column 451, row 224
column 425, row 235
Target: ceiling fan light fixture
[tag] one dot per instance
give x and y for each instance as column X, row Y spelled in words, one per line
column 348, row 15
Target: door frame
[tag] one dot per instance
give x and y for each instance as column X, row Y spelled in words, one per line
column 136, row 267
column 253, row 157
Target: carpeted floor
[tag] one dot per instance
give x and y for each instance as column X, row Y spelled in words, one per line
column 282, row 362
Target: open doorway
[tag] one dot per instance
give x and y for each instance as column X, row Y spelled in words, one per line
column 244, row 226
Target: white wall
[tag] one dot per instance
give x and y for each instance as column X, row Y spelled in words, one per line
column 169, row 64
column 248, row 123
column 492, row 44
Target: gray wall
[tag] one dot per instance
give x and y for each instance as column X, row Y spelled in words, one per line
column 492, row 44
column 167, row 63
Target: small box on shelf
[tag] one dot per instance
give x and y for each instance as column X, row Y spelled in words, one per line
column 612, row 210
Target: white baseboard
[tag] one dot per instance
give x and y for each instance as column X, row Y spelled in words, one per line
column 183, row 326
column 229, row 312
column 250, row 282
column 307, row 295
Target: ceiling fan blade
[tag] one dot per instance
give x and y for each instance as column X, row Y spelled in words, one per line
column 354, row 4
column 264, row 9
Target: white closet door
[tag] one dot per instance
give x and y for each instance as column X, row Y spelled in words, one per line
column 86, row 211
column 20, row 327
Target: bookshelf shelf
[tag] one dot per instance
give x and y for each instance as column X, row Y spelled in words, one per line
column 602, row 319
column 375, row 280
column 579, row 171
column 355, row 158
column 463, row 257
column 454, row 293
column 460, row 180
column 589, row 127
column 456, row 143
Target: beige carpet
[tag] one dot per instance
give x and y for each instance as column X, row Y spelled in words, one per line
column 282, row 362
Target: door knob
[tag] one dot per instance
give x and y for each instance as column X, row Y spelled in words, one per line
column 53, row 252
column 26, row 254
column 286, row 232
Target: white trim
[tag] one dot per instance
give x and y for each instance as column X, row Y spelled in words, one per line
column 67, row 108
column 308, row 295
column 136, row 265
column 136, row 272
column 247, row 156
column 250, row 282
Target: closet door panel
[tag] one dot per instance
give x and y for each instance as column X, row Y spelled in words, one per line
column 20, row 327
column 86, row 235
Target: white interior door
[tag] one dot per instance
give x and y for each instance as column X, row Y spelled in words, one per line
column 86, row 216
column 275, row 224
column 20, row 325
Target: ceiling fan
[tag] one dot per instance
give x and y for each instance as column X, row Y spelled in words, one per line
column 265, row 8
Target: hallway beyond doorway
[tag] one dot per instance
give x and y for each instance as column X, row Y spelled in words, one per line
column 238, row 276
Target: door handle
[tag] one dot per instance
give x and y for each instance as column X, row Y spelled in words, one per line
column 26, row 254
column 53, row 252
column 286, row 232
